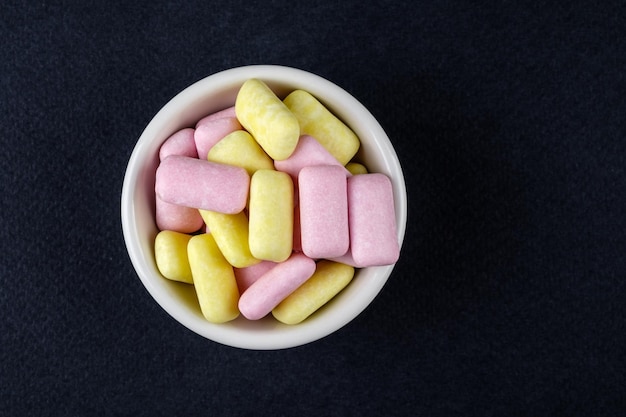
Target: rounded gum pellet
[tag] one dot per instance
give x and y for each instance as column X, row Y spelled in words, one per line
column 170, row 254
column 249, row 275
column 323, row 207
column 231, row 235
column 240, row 149
column 211, row 132
column 202, row 184
column 327, row 281
column 308, row 152
column 180, row 143
column 267, row 119
column 275, row 285
column 228, row 112
column 356, row 168
column 177, row 218
column 214, row 280
column 316, row 120
column 270, row 215
column 372, row 222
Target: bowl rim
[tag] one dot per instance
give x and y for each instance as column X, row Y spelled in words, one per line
column 273, row 74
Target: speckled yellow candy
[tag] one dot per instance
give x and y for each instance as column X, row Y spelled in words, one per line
column 214, row 280
column 355, row 168
column 267, row 119
column 327, row 281
column 271, row 215
column 317, row 121
column 170, row 253
column 230, row 232
column 239, row 148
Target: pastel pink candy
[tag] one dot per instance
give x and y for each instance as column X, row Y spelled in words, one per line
column 372, row 222
column 308, row 152
column 202, row 184
column 323, row 206
column 211, row 132
column 275, row 285
column 180, row 143
column 222, row 114
column 247, row 276
column 177, row 218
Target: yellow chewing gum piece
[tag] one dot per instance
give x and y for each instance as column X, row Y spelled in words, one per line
column 317, row 121
column 239, row 148
column 270, row 215
column 230, row 232
column 214, row 280
column 356, row 168
column 267, row 119
column 170, row 253
column 327, row 281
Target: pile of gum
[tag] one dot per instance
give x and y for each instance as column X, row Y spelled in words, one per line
column 262, row 208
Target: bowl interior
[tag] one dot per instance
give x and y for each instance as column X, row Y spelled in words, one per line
column 214, row 93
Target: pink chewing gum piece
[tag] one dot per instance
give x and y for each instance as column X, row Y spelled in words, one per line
column 275, row 285
column 323, row 206
column 202, row 184
column 211, row 132
column 177, row 218
column 371, row 213
column 308, row 152
column 180, row 143
column 247, row 276
column 228, row 112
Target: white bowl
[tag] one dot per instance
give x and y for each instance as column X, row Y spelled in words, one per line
column 214, row 93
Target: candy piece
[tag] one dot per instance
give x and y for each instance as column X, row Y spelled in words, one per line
column 202, row 184
column 308, row 152
column 177, row 218
column 211, row 132
column 356, row 168
column 373, row 236
column 214, row 280
column 267, row 119
column 271, row 215
column 323, row 211
column 240, row 149
column 170, row 253
column 180, row 143
column 228, row 112
column 276, row 284
column 327, row 281
column 317, row 121
column 248, row 276
column 230, row 232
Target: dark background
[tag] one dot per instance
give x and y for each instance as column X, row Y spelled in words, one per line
column 508, row 119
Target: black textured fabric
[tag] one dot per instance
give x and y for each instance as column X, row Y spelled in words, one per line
column 509, row 121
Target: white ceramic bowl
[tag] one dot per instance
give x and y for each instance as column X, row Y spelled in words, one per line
column 214, row 93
